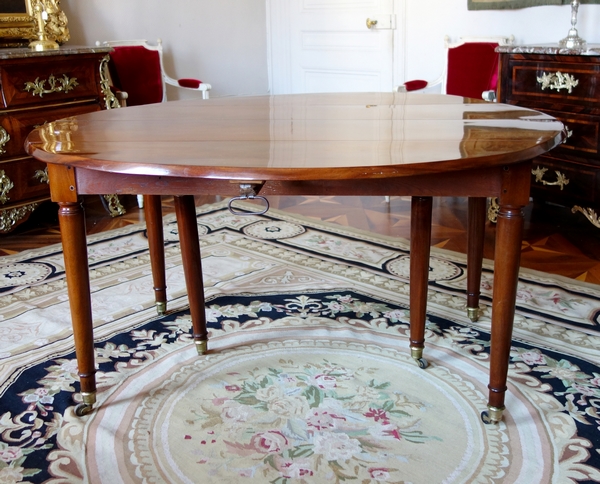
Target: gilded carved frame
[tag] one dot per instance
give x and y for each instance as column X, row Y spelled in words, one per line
column 18, row 23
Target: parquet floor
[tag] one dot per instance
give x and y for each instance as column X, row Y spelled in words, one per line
column 555, row 240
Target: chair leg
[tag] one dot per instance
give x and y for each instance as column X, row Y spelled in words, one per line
column 140, row 201
column 476, row 233
column 156, row 244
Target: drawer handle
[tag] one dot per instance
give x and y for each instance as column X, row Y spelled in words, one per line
column 247, row 193
column 4, row 138
column 558, row 81
column 5, row 186
column 561, row 180
column 61, row 84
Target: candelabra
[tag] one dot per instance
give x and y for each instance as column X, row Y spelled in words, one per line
column 572, row 40
column 43, row 42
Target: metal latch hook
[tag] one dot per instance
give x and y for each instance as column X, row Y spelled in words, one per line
column 247, row 193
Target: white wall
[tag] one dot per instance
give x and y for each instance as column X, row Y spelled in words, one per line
column 426, row 22
column 222, row 42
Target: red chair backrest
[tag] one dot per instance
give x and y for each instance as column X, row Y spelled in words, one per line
column 472, row 69
column 136, row 70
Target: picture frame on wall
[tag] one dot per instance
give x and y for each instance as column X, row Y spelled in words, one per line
column 516, row 4
column 18, row 23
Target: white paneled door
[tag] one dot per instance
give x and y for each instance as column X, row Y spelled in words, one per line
column 331, row 45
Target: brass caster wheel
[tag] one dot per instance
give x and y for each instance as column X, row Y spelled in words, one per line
column 83, row 409
column 492, row 415
column 417, row 354
column 201, row 347
column 473, row 314
column 161, row 308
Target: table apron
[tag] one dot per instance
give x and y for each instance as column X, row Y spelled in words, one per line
column 483, row 182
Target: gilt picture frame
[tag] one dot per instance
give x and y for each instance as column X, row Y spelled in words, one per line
column 517, row 4
column 18, row 22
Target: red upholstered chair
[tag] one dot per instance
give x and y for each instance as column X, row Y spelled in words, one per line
column 136, row 67
column 471, row 68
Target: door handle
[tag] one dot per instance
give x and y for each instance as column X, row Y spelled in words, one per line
column 382, row 22
column 371, row 23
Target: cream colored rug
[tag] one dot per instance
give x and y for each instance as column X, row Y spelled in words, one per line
column 309, row 376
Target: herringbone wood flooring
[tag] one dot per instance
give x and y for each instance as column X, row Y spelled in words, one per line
column 555, row 240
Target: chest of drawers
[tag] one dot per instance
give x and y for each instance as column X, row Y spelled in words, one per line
column 566, row 85
column 36, row 88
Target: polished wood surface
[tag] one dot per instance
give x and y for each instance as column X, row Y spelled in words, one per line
column 343, row 144
column 299, row 137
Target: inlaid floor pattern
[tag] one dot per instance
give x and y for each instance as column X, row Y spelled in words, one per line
column 555, row 240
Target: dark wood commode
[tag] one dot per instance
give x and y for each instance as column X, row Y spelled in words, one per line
column 564, row 83
column 36, row 88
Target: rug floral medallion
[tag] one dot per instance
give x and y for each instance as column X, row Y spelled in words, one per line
column 308, row 377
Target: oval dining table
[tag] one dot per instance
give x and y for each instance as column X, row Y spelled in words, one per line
column 383, row 144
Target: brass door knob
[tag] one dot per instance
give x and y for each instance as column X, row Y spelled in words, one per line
column 371, row 23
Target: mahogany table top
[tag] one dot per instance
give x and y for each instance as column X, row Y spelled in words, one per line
column 299, row 137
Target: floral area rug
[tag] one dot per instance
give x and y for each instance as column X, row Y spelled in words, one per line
column 308, row 378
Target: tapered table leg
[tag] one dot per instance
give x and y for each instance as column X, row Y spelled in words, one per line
column 72, row 228
column 420, row 242
column 476, row 233
column 185, row 210
column 156, row 243
column 507, row 257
